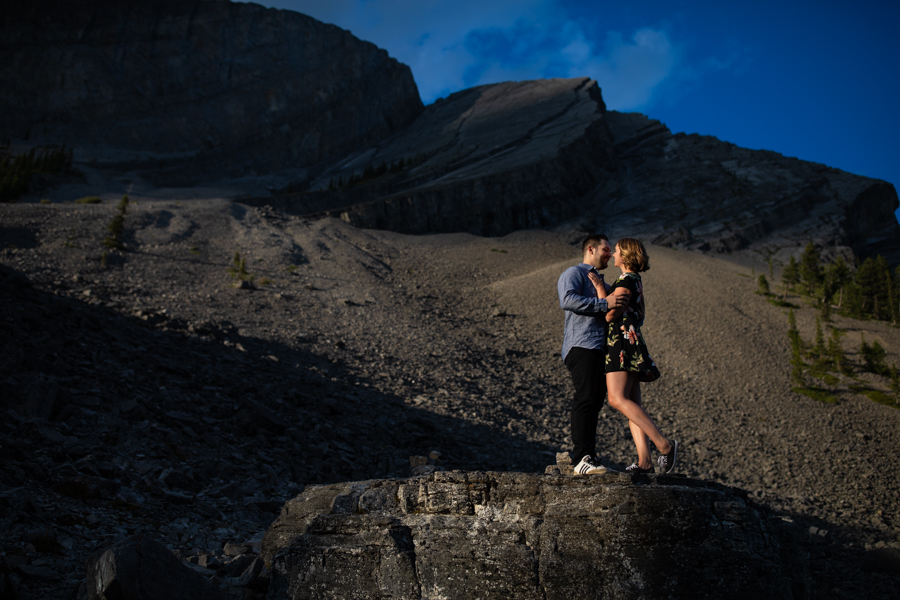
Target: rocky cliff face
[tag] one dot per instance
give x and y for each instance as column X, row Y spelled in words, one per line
column 488, row 160
column 698, row 192
column 509, row 156
column 195, row 89
column 181, row 92
column 515, row 535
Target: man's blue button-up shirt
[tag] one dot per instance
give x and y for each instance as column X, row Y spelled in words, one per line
column 585, row 325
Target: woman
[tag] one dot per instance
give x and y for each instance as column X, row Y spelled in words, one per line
column 627, row 360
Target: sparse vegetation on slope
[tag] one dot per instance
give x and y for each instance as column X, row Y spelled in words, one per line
column 16, row 171
column 822, row 369
column 116, row 227
column 377, row 347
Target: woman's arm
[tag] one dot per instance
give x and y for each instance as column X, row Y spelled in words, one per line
column 598, row 284
column 616, row 312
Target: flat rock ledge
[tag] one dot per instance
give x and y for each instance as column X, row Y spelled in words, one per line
column 543, row 536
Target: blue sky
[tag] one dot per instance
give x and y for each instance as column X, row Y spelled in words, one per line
column 816, row 80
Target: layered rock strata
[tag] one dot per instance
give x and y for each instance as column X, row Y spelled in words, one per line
column 697, row 192
column 515, row 535
column 195, row 89
column 488, row 160
column 509, row 156
column 186, row 92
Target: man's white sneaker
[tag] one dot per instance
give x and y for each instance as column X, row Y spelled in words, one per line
column 589, row 466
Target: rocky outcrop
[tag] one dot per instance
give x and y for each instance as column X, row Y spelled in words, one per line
column 509, row 156
column 488, row 160
column 698, row 192
column 515, row 535
column 143, row 568
column 195, row 89
column 181, row 92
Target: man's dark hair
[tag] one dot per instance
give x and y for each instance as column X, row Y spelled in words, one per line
column 592, row 240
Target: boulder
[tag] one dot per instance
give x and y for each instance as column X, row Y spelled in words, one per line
column 139, row 568
column 516, row 535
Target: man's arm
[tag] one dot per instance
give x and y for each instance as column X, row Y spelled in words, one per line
column 570, row 298
column 619, row 307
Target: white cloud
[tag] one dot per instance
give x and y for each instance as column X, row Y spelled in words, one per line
column 629, row 71
column 433, row 37
column 427, row 35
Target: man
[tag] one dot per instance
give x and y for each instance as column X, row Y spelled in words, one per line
column 584, row 347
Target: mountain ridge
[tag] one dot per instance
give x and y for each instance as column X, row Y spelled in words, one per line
column 328, row 125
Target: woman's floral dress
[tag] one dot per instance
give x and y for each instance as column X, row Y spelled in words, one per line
column 625, row 347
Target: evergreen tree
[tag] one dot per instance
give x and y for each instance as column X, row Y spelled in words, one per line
column 869, row 279
column 836, row 352
column 810, row 273
column 819, row 351
column 863, row 346
column 796, row 349
column 763, row 285
column 882, row 307
column 873, row 357
column 837, row 274
column 893, row 309
column 895, row 383
column 790, row 276
column 116, row 227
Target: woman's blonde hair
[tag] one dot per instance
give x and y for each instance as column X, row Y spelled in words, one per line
column 634, row 255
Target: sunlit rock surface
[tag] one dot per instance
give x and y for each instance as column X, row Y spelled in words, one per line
column 516, row 535
column 182, row 93
column 509, row 156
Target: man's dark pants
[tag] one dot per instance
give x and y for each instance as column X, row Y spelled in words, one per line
column 587, row 368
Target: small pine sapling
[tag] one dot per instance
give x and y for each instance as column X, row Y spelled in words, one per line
column 116, row 227
column 873, row 358
column 790, row 276
column 895, row 383
column 892, row 298
column 825, row 312
column 836, row 352
column 819, row 351
column 238, row 269
column 796, row 349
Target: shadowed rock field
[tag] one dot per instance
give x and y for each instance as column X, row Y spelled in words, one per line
column 143, row 393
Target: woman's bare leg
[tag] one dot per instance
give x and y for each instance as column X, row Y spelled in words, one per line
column 641, row 441
column 618, row 387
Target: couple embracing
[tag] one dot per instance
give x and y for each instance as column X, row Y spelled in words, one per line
column 606, row 354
